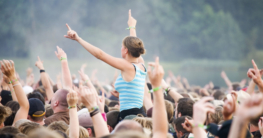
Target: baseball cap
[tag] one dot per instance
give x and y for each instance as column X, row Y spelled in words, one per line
column 85, row 120
column 36, row 105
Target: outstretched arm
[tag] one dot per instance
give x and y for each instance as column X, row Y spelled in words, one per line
column 72, row 99
column 255, row 74
column 226, row 79
column 45, row 79
column 8, row 68
column 172, row 92
column 118, row 63
column 160, row 125
column 66, row 76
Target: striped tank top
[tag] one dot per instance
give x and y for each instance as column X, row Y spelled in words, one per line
column 131, row 93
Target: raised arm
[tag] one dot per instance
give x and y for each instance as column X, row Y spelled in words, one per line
column 160, row 125
column 7, row 81
column 255, row 74
column 89, row 99
column 147, row 101
column 8, row 69
column 66, row 76
column 172, row 92
column 72, row 99
column 118, row 63
column 132, row 24
column 44, row 79
column 226, row 79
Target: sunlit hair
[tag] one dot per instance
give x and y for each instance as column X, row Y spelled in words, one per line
column 44, row 133
column 83, row 132
column 134, row 45
column 145, row 122
column 58, row 125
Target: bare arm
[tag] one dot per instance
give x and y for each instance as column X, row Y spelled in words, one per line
column 256, row 74
column 226, row 79
column 66, row 76
column 72, row 99
column 173, row 93
column 8, row 68
column 59, row 84
column 251, row 87
column 132, row 24
column 45, row 80
column 160, row 124
column 147, row 102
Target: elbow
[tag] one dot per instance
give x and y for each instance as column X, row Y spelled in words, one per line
column 99, row 55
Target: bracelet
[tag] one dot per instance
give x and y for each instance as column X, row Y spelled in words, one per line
column 200, row 125
column 93, row 108
column 15, row 85
column 12, row 81
column 62, row 58
column 42, row 70
column 129, row 28
column 155, row 89
column 74, row 106
column 86, row 81
column 96, row 111
column 167, row 90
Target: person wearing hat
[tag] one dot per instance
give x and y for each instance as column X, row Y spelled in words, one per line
column 36, row 111
column 86, row 121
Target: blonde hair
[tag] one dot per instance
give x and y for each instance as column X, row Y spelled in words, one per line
column 83, row 132
column 4, row 113
column 145, row 122
column 169, row 110
column 28, row 127
column 44, row 133
column 58, row 125
column 19, row 122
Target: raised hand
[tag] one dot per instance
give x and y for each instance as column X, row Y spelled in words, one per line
column 187, row 125
column 72, row 98
column 88, row 97
column 71, row 34
column 8, row 69
column 39, row 64
column 101, row 102
column 29, row 71
column 260, row 125
column 230, row 105
column 131, row 21
column 83, row 76
column 155, row 75
column 223, row 74
column 255, row 74
column 201, row 108
column 61, row 55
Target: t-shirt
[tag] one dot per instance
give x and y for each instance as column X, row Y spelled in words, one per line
column 60, row 116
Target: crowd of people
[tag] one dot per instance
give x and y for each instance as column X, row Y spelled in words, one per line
column 130, row 106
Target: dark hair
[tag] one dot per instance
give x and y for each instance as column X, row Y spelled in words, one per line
column 37, row 119
column 14, row 106
column 106, row 109
column 113, row 103
column 255, row 120
column 112, row 118
column 219, row 95
column 63, row 134
column 185, row 107
column 134, row 45
column 42, row 91
column 9, row 130
column 178, row 123
column 7, row 136
column 236, row 86
column 37, row 95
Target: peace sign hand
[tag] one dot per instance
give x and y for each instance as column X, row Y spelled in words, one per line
column 71, row 34
column 131, row 21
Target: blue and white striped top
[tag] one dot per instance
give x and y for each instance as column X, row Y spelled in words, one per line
column 131, row 93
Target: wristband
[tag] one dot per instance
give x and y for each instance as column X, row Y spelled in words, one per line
column 96, row 111
column 93, row 109
column 74, row 106
column 155, row 89
column 201, row 126
column 13, row 81
column 42, row 70
column 104, row 116
column 15, row 85
column 167, row 90
column 129, row 28
column 86, row 81
column 62, row 58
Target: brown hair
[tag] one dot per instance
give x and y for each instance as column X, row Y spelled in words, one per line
column 185, row 107
column 217, row 116
column 28, row 127
column 58, row 125
column 169, row 110
column 9, row 130
column 134, row 45
column 178, row 123
column 4, row 113
column 49, row 110
column 145, row 122
column 44, row 133
column 83, row 132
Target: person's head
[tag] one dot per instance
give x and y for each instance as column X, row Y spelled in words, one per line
column 83, row 133
column 4, row 113
column 44, row 133
column 36, row 95
column 21, row 121
column 59, row 101
column 112, row 119
column 177, row 124
column 132, row 46
column 36, row 111
column 255, row 120
column 14, row 106
column 86, row 121
column 42, row 91
column 144, row 121
column 113, row 103
column 128, row 125
column 6, row 97
column 169, row 110
column 9, row 130
column 58, row 125
column 28, row 127
column 184, row 107
column 218, row 95
column 127, row 134
column 63, row 134
column 215, row 117
column 49, row 111
column 236, row 86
